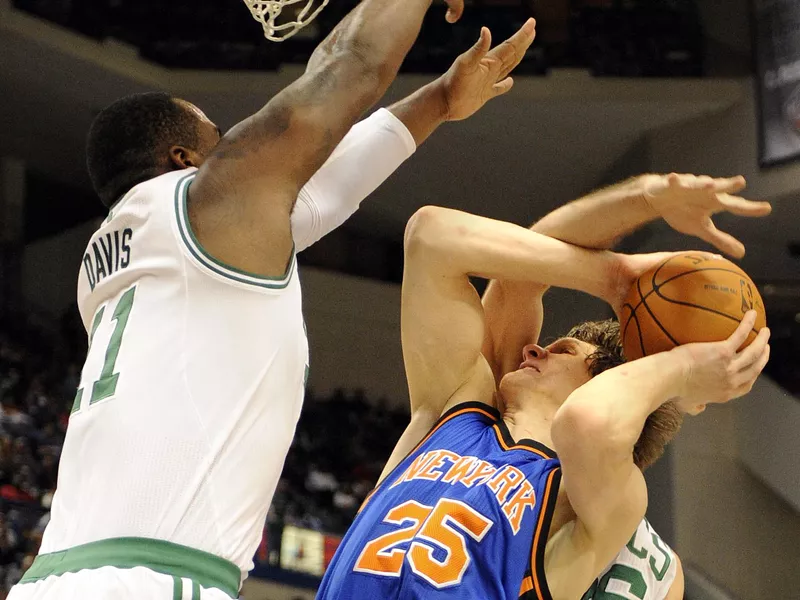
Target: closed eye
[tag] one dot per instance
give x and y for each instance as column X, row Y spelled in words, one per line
column 562, row 348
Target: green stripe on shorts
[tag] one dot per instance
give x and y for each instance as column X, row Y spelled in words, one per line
column 157, row 555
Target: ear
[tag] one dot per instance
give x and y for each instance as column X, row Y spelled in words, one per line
column 183, row 158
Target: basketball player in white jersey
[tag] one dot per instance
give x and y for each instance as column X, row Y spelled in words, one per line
column 198, row 356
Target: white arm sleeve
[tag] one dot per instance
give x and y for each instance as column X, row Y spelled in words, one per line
column 370, row 152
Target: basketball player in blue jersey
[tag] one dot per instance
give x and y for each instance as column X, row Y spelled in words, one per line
column 514, row 319
column 537, row 499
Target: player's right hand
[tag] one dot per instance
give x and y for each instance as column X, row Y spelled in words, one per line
column 717, row 372
column 481, row 73
column 455, row 8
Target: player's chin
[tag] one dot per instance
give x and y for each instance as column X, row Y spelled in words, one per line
column 521, row 380
column 527, row 376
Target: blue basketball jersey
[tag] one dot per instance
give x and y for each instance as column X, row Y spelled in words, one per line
column 465, row 515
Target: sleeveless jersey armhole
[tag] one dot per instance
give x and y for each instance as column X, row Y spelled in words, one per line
column 200, row 258
column 534, row 583
column 457, row 411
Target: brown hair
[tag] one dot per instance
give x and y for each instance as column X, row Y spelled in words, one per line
column 662, row 425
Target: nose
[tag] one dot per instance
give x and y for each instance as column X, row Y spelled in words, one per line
column 533, row 351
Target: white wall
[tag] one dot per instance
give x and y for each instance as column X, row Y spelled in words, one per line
column 767, row 439
column 725, row 142
column 729, row 523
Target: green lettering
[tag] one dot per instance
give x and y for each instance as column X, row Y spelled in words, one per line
column 106, row 386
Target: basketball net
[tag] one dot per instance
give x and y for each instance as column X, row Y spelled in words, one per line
column 266, row 12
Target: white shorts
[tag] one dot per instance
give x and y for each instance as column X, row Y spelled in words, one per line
column 128, row 569
column 110, row 583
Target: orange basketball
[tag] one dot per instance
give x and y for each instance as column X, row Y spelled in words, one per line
column 687, row 298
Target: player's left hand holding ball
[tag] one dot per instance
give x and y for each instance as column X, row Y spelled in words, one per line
column 481, row 74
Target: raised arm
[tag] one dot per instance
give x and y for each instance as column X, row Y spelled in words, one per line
column 441, row 315
column 242, row 198
column 599, row 220
column 595, row 430
column 442, row 318
column 374, row 148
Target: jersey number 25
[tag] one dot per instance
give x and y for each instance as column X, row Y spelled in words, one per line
column 427, row 528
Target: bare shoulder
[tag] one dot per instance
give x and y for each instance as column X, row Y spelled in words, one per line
column 241, row 205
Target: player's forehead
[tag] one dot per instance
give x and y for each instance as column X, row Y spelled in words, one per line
column 198, row 113
column 205, row 123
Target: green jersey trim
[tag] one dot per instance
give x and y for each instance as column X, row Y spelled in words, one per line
column 126, row 553
column 211, row 263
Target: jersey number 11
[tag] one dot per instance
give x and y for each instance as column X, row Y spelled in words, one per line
column 106, row 385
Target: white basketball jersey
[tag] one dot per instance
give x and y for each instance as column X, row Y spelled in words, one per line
column 643, row 570
column 191, row 389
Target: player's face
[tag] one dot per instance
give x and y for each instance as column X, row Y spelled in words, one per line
column 554, row 371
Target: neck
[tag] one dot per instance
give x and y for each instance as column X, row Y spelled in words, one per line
column 532, row 422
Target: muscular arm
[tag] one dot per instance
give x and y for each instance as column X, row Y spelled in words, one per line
column 368, row 155
column 374, row 148
column 442, row 317
column 594, row 433
column 370, row 152
column 423, row 111
column 242, row 198
column 514, row 308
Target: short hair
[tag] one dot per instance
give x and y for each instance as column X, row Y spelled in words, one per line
column 662, row 425
column 129, row 141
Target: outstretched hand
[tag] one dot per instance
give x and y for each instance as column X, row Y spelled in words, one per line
column 687, row 203
column 481, row 74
